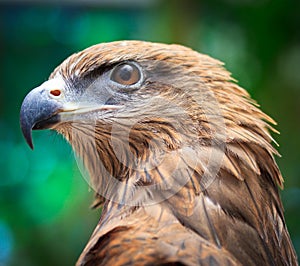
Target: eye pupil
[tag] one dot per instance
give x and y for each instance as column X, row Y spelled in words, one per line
column 126, row 74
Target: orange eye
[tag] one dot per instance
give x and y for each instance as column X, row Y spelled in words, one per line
column 126, row 74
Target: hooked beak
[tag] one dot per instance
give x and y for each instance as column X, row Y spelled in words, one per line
column 43, row 109
column 38, row 111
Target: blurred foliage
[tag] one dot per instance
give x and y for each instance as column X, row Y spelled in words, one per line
column 44, row 215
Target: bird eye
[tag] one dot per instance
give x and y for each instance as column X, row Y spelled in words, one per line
column 126, row 74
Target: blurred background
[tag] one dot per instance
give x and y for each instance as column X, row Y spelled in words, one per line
column 44, row 214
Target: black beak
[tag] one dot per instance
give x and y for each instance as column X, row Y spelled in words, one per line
column 38, row 111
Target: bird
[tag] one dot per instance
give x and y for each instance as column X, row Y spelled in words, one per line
column 180, row 157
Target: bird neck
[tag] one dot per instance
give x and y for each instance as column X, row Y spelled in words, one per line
column 121, row 163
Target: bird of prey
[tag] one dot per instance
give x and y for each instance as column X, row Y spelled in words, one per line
column 180, row 157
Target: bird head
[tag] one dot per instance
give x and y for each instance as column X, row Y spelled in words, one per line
column 138, row 112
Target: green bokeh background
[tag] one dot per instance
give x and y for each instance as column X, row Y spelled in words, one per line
column 44, row 214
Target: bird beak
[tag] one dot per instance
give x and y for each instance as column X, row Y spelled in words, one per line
column 38, row 111
column 43, row 108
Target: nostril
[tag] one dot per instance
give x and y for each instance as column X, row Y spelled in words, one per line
column 55, row 92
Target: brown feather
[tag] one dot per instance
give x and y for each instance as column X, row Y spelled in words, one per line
column 193, row 184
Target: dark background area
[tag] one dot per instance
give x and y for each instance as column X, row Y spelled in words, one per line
column 44, row 214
